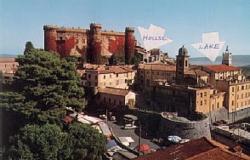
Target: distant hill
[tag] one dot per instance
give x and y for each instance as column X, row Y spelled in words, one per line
column 238, row 60
column 8, row 55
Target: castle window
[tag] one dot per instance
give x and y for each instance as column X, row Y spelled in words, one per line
column 232, row 89
column 232, row 103
column 201, row 103
column 201, row 94
column 218, row 104
column 242, row 87
column 186, row 63
column 89, row 75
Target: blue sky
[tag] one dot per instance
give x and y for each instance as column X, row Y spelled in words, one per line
column 184, row 20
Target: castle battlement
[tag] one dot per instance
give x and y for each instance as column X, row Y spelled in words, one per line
column 64, row 29
column 93, row 43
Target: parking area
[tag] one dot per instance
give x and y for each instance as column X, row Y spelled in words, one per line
column 120, row 132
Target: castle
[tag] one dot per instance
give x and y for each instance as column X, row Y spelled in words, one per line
column 94, row 45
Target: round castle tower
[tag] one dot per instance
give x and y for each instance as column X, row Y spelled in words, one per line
column 95, row 43
column 50, row 38
column 129, row 44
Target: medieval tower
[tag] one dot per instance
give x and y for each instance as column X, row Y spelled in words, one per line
column 182, row 64
column 129, row 44
column 94, row 44
column 227, row 57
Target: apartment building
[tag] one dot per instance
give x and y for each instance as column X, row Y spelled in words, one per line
column 121, row 77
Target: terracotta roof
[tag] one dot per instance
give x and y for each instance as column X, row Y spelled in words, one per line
column 7, row 59
column 198, row 72
column 113, row 91
column 114, row 69
column 216, row 154
column 158, row 67
column 221, row 68
column 198, row 149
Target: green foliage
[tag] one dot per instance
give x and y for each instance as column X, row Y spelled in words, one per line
column 85, row 142
column 116, row 59
column 48, row 84
column 48, row 142
column 44, row 85
column 136, row 59
column 28, row 47
column 35, row 142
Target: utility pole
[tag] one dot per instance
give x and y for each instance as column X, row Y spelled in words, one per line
column 139, row 145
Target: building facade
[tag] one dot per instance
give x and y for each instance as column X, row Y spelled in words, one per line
column 8, row 67
column 114, row 98
column 121, row 77
column 148, row 75
column 197, row 88
column 94, row 45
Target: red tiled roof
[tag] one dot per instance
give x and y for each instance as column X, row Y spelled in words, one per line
column 7, row 60
column 216, row 154
column 198, row 149
column 114, row 69
column 113, row 91
column 158, row 67
column 221, row 68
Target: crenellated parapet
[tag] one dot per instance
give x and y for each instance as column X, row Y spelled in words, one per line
column 130, row 44
column 93, row 44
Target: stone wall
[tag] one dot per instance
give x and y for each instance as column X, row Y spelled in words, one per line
column 94, row 44
column 223, row 114
column 184, row 129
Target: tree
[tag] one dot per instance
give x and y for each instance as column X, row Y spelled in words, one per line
column 28, row 47
column 85, row 142
column 38, row 142
column 49, row 84
column 48, row 142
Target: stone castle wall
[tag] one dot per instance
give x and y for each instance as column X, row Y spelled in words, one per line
column 94, row 41
column 189, row 130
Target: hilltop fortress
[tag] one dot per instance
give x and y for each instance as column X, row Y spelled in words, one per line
column 94, row 45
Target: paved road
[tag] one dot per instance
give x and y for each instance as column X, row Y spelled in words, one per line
column 119, row 132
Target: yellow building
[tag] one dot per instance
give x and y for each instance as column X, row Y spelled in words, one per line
column 114, row 97
column 186, row 100
column 109, row 76
column 149, row 75
column 200, row 88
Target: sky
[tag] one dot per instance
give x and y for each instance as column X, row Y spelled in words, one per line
column 184, row 20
